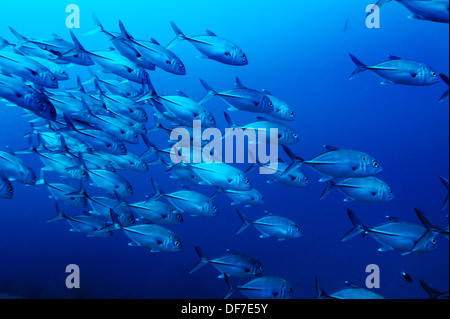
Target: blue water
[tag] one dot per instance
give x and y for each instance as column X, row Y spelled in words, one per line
column 299, row 51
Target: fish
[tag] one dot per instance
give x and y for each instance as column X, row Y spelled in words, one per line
column 113, row 62
column 110, row 182
column 232, row 263
column 221, row 175
column 17, row 92
column 444, row 96
column 66, row 52
column 157, row 212
column 432, row 292
column 16, row 169
column 286, row 174
column 28, row 69
column 240, row 98
column 179, row 108
column 122, row 41
column 339, row 163
column 395, row 234
column 430, row 10
column 101, row 206
column 84, row 223
column 212, row 47
column 130, row 161
column 247, row 198
column 265, row 287
column 188, row 201
column 285, row 136
column 116, row 87
column 445, row 182
column 271, row 225
column 407, row 277
column 6, row 188
column 28, row 50
column 364, row 189
column 67, row 194
column 399, row 71
column 351, row 291
column 97, row 139
column 56, row 69
column 281, row 109
column 157, row 238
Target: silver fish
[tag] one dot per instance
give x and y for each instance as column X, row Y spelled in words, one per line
column 338, row 162
column 265, row 287
column 351, row 291
column 240, row 98
column 399, row 235
column 364, row 189
column 232, row 263
column 431, row 10
column 16, row 169
column 399, row 71
column 86, row 224
column 271, row 226
column 157, row 212
column 212, row 47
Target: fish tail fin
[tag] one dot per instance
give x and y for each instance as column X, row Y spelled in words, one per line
column 210, row 92
column 22, row 39
column 158, row 190
column 179, row 35
column 320, row 292
column 4, row 43
column 429, row 225
column 150, row 91
column 357, row 229
column 124, row 32
column 151, row 148
column 229, row 120
column 294, row 157
column 252, row 167
column 76, row 42
column 231, row 286
column 360, row 67
column 328, row 188
column 445, row 95
column 59, row 216
column 203, row 260
column 433, row 293
column 245, row 222
column 98, row 27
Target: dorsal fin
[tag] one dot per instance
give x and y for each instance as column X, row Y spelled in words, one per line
column 152, row 40
column 239, row 83
column 209, row 32
column 331, row 148
column 181, row 93
column 394, row 57
column 266, row 92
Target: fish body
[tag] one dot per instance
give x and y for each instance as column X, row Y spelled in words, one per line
column 232, row 263
column 399, row 71
column 265, row 287
column 152, row 236
column 364, row 189
column 213, row 47
column 6, row 188
column 16, row 169
column 221, row 175
column 272, row 226
column 241, row 98
column 157, row 212
column 431, row 10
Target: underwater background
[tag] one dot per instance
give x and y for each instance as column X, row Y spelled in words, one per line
column 298, row 50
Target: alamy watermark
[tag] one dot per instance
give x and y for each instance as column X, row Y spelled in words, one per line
column 73, row 19
column 373, row 16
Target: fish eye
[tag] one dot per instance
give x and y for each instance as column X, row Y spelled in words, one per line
column 145, row 74
column 39, row 102
column 390, row 191
column 108, row 145
column 375, row 164
column 306, row 179
column 10, row 190
column 261, row 268
column 295, row 135
column 433, row 241
column 177, row 243
column 297, row 229
column 130, row 190
column 84, row 173
column 290, row 290
column 270, row 104
column 247, row 181
column 182, row 67
column 63, row 72
column 215, row 208
column 227, row 53
column 433, row 74
column 178, row 217
column 54, row 79
column 262, row 197
column 75, row 55
column 243, row 55
column 123, row 148
column 168, row 62
column 34, row 178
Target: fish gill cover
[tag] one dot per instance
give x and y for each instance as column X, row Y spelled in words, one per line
column 92, row 93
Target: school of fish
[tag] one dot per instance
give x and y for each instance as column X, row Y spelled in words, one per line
column 82, row 137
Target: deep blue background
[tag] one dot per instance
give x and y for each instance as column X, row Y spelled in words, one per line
column 299, row 52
